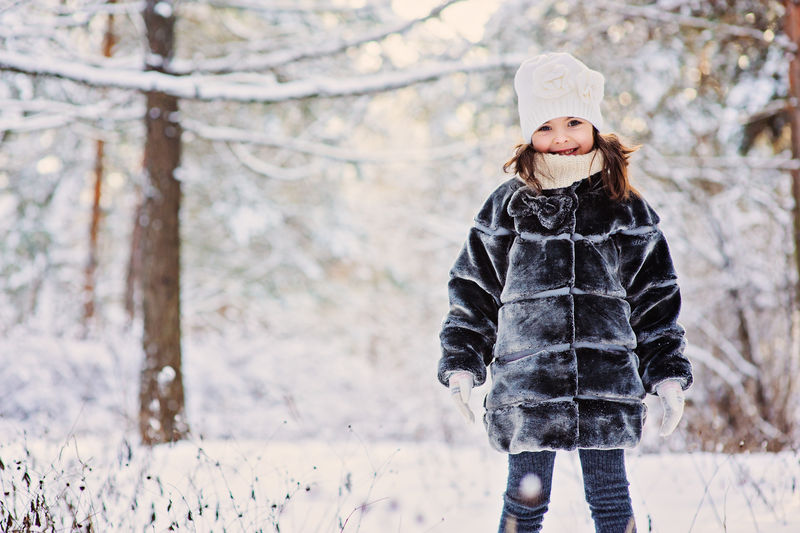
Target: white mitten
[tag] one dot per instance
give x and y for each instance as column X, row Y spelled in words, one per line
column 460, row 384
column 671, row 394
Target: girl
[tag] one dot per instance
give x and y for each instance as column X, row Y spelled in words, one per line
column 565, row 289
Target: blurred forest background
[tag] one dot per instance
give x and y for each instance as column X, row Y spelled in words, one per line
column 322, row 161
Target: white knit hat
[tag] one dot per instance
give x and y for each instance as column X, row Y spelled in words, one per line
column 557, row 85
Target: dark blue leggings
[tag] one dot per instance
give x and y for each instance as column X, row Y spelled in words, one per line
column 604, row 482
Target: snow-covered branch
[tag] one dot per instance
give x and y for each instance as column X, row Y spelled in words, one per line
column 264, row 168
column 108, row 108
column 318, row 149
column 773, row 108
column 235, row 63
column 37, row 115
column 285, row 6
column 35, row 123
column 742, row 365
column 208, row 88
column 95, row 8
column 720, row 368
column 734, row 380
column 655, row 13
column 53, row 17
column 731, row 162
column 10, row 5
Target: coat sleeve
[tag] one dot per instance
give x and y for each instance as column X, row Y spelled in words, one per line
column 476, row 280
column 654, row 297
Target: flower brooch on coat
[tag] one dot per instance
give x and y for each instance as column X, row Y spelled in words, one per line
column 551, row 211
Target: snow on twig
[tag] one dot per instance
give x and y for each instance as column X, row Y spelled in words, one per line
column 208, row 88
column 235, row 63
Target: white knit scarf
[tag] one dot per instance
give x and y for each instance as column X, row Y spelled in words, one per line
column 555, row 171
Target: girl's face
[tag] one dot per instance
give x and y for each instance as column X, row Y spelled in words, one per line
column 565, row 136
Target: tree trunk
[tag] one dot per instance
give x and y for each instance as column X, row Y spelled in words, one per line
column 89, row 296
column 134, row 270
column 161, row 416
column 792, row 29
column 94, row 229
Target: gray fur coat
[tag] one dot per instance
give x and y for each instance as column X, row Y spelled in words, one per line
column 571, row 300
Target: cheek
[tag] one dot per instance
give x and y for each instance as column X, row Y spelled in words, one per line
column 586, row 142
column 540, row 144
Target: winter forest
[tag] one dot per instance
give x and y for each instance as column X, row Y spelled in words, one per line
column 226, row 228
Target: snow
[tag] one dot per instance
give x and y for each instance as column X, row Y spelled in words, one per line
column 295, row 423
column 165, row 377
column 163, row 9
column 530, row 487
column 351, row 485
column 154, row 60
column 287, row 433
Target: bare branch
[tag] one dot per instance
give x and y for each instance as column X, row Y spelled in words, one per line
column 262, row 90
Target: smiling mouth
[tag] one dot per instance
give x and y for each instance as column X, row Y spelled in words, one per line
column 571, row 151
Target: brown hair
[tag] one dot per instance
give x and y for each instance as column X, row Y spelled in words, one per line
column 615, row 171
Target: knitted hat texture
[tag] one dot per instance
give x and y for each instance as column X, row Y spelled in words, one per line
column 556, row 85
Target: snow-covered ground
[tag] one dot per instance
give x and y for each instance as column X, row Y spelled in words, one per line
column 355, row 485
column 287, row 434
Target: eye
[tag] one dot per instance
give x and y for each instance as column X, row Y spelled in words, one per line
column 575, row 122
column 544, row 128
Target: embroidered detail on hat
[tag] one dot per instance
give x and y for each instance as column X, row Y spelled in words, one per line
column 590, row 86
column 551, row 80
